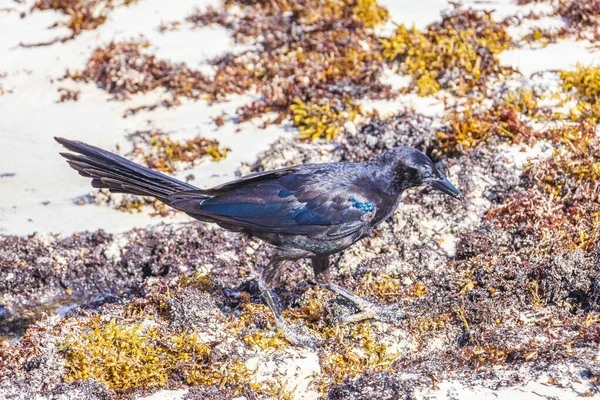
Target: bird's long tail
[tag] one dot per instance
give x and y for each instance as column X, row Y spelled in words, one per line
column 118, row 174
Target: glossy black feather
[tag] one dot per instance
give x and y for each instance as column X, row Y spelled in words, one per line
column 118, row 174
column 315, row 201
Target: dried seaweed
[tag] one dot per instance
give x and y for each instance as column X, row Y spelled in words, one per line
column 319, row 53
column 124, row 69
column 474, row 125
column 580, row 13
column 457, row 54
column 581, row 16
column 158, row 151
column 313, row 53
column 84, row 15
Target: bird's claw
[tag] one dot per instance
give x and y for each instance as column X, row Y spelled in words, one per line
column 389, row 314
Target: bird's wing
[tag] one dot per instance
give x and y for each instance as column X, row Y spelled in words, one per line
column 245, row 180
column 290, row 204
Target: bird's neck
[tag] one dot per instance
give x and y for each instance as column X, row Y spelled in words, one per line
column 386, row 172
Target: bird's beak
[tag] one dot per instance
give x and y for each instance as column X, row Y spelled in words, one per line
column 444, row 185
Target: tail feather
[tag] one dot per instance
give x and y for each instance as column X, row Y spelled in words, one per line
column 118, row 174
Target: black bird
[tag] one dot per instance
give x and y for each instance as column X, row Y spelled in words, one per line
column 306, row 211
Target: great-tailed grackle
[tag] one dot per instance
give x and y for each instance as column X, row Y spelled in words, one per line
column 306, row 211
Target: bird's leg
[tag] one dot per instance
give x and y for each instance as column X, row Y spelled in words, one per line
column 291, row 333
column 368, row 310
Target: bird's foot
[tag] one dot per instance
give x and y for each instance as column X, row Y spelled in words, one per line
column 388, row 314
column 297, row 335
column 293, row 334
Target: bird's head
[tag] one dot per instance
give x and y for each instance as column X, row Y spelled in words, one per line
column 413, row 168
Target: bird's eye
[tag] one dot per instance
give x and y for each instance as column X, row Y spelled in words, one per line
column 427, row 175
